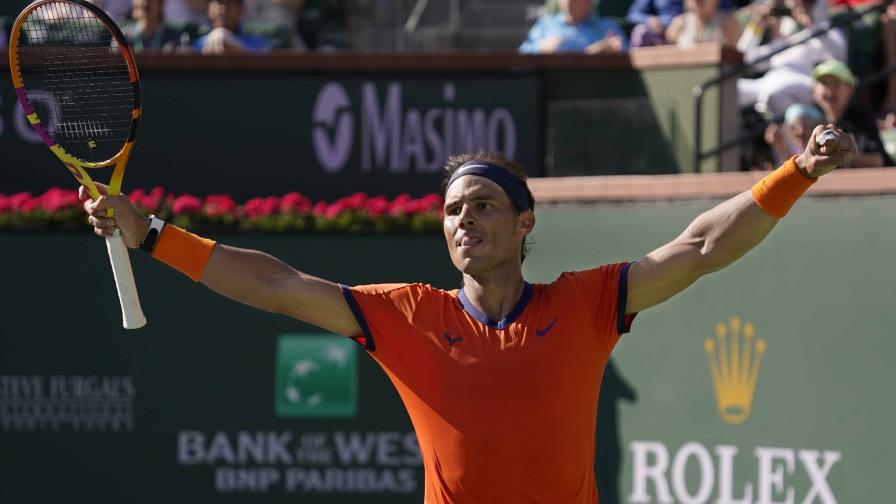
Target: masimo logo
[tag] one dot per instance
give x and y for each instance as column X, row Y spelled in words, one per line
column 333, row 127
column 734, row 364
column 396, row 138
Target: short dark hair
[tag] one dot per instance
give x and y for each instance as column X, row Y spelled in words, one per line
column 500, row 160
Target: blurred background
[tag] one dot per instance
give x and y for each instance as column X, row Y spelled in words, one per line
column 316, row 130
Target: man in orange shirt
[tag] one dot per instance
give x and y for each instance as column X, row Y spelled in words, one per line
column 500, row 377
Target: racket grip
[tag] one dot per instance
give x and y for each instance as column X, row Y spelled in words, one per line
column 131, row 312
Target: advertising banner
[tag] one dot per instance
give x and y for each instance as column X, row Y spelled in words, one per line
column 325, row 137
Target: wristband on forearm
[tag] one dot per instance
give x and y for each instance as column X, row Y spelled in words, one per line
column 779, row 190
column 183, row 251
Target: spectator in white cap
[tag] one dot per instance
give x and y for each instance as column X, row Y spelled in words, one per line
column 833, row 93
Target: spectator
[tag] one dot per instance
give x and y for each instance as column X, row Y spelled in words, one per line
column 650, row 19
column 227, row 35
column 574, row 29
column 276, row 20
column 146, row 29
column 788, row 74
column 702, row 22
column 116, row 9
column 791, row 138
column 322, row 24
column 833, row 93
column 180, row 12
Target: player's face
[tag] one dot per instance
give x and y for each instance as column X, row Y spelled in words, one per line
column 482, row 227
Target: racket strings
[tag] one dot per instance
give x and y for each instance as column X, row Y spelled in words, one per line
column 77, row 80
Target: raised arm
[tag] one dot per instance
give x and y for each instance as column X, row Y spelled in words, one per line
column 721, row 235
column 248, row 276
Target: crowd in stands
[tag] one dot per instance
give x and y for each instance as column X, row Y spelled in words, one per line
column 797, row 78
column 229, row 26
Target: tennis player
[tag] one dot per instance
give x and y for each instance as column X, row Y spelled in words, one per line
column 500, row 377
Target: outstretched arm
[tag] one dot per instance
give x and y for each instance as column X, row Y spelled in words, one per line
column 248, row 276
column 720, row 236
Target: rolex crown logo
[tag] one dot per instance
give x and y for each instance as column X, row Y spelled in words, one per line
column 734, row 357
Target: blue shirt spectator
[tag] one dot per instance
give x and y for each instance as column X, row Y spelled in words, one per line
column 642, row 10
column 227, row 33
column 249, row 42
column 574, row 29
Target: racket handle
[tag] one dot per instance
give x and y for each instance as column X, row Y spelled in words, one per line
column 131, row 312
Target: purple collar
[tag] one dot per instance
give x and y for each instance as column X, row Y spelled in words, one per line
column 477, row 314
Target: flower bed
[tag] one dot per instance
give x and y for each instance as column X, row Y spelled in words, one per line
column 293, row 212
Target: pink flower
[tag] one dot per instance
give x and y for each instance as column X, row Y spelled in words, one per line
column 56, row 199
column 19, row 202
column 295, row 203
column 152, row 201
column 261, row 207
column 5, row 204
column 271, row 205
column 398, row 207
column 217, row 205
column 135, row 196
column 320, row 209
column 186, row 203
column 432, row 201
column 355, row 201
column 377, row 206
column 335, row 209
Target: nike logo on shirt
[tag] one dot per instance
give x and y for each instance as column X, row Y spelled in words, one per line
column 452, row 339
column 542, row 332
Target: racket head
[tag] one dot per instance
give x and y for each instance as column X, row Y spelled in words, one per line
column 77, row 82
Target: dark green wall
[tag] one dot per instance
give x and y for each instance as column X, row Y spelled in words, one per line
column 820, row 290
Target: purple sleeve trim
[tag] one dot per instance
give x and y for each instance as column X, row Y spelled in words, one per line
column 623, row 321
column 367, row 340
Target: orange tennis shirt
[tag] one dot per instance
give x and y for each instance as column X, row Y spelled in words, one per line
column 504, row 411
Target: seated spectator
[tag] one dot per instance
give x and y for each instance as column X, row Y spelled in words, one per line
column 788, row 74
column 276, row 19
column 146, row 29
column 791, row 138
column 574, row 29
column 833, row 93
column 116, row 9
column 323, row 24
column 181, row 12
column 702, row 22
column 650, row 19
column 227, row 35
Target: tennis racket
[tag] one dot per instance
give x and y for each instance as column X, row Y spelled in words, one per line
column 77, row 83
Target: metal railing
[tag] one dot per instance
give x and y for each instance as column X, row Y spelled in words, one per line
column 700, row 89
column 410, row 26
